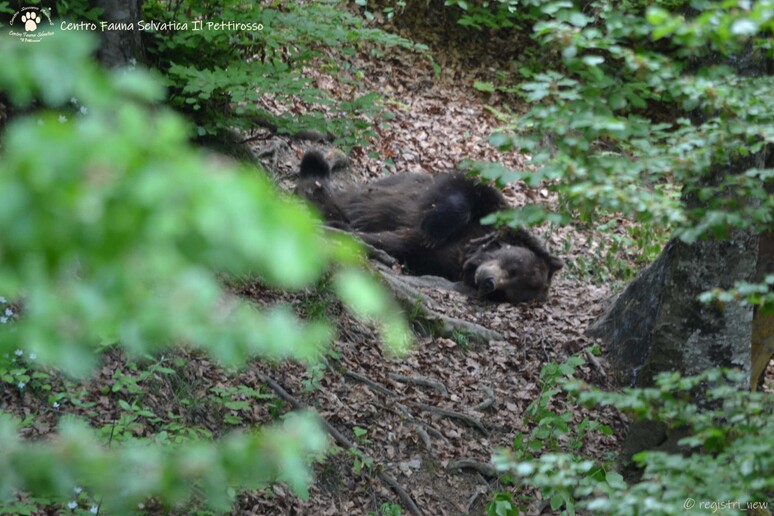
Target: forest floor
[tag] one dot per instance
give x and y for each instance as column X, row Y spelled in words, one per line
column 397, row 410
column 428, row 422
column 393, row 408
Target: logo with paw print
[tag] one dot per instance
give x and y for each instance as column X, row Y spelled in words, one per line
column 30, row 21
column 28, row 24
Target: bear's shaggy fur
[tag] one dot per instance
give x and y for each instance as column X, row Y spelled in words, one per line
column 431, row 225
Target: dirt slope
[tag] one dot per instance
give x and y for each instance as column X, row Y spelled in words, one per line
column 449, row 400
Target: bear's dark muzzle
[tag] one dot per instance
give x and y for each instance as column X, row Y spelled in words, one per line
column 487, row 286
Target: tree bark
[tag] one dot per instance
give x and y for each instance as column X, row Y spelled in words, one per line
column 763, row 320
column 121, row 47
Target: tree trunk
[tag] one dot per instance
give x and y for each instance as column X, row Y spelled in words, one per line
column 121, row 47
column 763, row 321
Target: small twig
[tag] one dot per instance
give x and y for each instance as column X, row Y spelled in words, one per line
column 488, row 402
column 421, row 380
column 110, row 442
column 342, row 440
column 468, row 420
column 472, row 500
column 543, row 345
column 595, row 363
column 484, row 241
column 484, row 468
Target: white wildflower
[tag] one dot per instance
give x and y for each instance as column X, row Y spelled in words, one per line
column 94, row 509
column 8, row 312
column 56, row 404
column 3, row 320
column 72, row 505
column 21, row 385
column 33, row 356
column 62, row 119
column 18, row 352
column 77, row 489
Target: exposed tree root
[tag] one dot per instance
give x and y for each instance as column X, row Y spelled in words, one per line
column 342, row 441
column 373, row 252
column 422, row 427
column 485, row 468
column 445, row 326
column 594, row 361
column 372, row 384
column 488, row 402
column 468, row 420
column 421, row 380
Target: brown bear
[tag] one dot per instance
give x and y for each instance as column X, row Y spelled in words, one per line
column 431, row 224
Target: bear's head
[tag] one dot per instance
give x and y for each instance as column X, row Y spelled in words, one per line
column 512, row 274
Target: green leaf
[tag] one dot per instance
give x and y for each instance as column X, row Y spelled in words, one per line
column 557, row 502
column 578, row 19
column 657, row 15
column 593, row 60
column 484, row 86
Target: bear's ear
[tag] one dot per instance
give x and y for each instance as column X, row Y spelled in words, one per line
column 314, row 165
column 445, row 217
column 470, row 266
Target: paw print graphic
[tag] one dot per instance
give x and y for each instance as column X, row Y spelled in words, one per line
column 30, row 21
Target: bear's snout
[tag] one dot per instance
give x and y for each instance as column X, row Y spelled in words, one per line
column 488, row 277
column 488, row 285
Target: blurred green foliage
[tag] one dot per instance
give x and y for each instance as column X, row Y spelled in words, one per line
column 661, row 112
column 729, row 451
column 632, row 102
column 627, row 112
column 218, row 77
column 114, row 231
column 114, row 225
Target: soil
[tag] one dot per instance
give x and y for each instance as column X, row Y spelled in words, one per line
column 438, row 123
column 427, row 424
